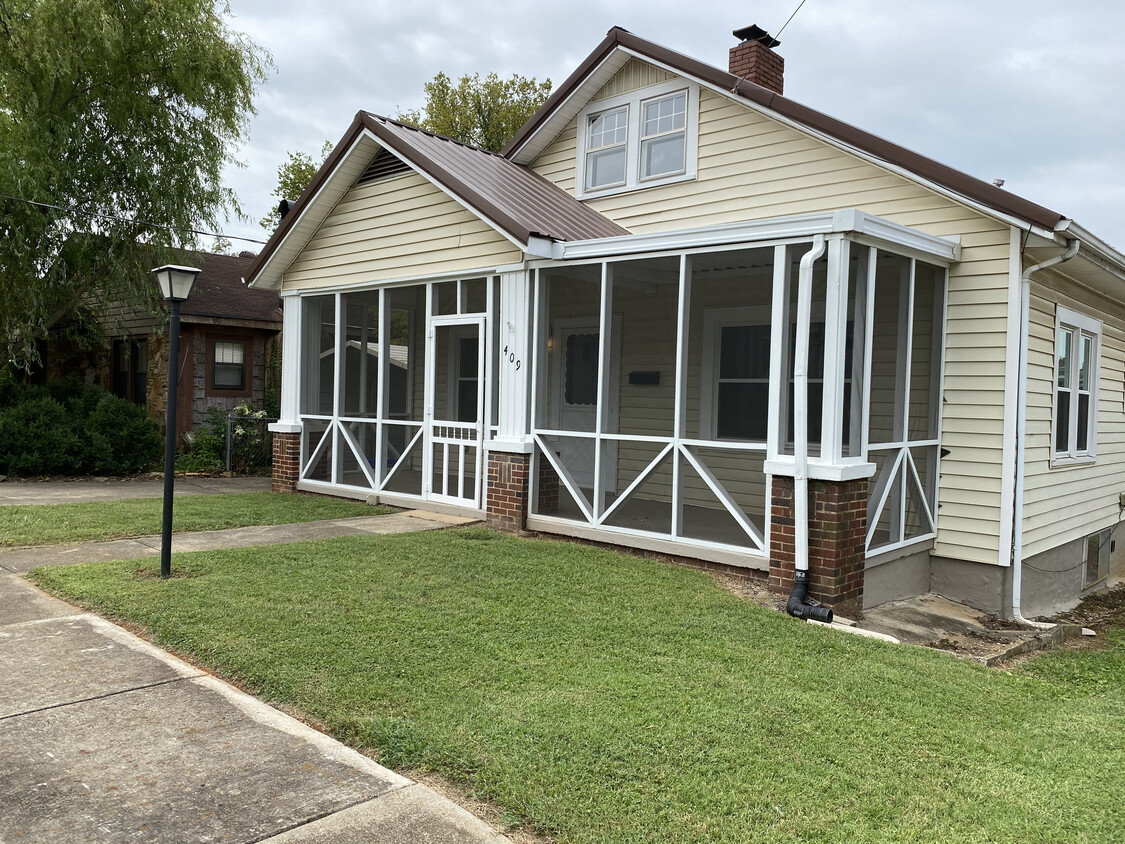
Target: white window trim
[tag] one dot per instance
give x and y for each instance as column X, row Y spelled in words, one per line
column 633, row 101
column 714, row 320
column 1068, row 320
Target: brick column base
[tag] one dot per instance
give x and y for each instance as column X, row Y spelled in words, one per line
column 837, row 535
column 507, row 499
column 286, row 462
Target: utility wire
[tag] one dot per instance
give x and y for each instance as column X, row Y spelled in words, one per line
column 78, row 213
column 799, row 5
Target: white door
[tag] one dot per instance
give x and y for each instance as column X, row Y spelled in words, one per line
column 454, row 456
column 575, row 397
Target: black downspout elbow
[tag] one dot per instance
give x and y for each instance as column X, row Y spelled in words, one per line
column 800, row 605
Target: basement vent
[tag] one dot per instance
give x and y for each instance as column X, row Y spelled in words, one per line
column 383, row 166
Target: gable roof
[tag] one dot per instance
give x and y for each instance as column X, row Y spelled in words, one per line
column 514, row 200
column 619, row 44
column 220, row 293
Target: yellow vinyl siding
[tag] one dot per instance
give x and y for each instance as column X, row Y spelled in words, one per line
column 397, row 228
column 635, row 74
column 1067, row 503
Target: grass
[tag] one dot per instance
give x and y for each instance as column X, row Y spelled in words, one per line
column 56, row 524
column 598, row 697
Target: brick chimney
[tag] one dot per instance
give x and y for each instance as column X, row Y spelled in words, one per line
column 753, row 58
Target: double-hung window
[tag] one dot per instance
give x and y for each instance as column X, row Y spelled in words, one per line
column 736, row 374
column 638, row 139
column 228, row 365
column 1077, row 342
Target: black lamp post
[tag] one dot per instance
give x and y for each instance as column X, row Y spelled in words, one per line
column 175, row 285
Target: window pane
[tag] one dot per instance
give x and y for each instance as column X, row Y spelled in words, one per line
column 665, row 115
column 1062, row 421
column 608, row 128
column 662, row 156
column 581, row 369
column 1082, row 433
column 742, row 411
column 1065, row 340
column 605, row 168
column 228, row 376
column 1084, row 355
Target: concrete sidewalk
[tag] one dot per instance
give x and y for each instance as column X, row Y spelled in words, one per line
column 105, row 737
column 21, row 560
column 115, row 489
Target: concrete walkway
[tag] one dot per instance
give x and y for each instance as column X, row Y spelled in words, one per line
column 114, row 489
column 104, row 737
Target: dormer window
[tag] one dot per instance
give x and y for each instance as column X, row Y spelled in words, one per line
column 639, row 139
column 607, row 148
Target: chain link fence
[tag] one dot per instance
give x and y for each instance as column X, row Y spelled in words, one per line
column 249, row 444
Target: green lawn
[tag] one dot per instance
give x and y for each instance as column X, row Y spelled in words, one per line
column 56, row 524
column 603, row 698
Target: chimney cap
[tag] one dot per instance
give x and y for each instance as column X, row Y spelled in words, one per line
column 756, row 33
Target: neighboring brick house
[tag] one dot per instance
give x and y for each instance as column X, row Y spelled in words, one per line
column 228, row 332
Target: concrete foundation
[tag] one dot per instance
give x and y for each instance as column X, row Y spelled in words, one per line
column 896, row 576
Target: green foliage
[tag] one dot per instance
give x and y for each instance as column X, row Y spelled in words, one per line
column 72, row 428
column 292, row 178
column 55, row 524
column 483, row 112
column 208, row 451
column 122, row 113
column 598, row 697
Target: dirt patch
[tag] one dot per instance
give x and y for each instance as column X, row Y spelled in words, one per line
column 749, row 588
column 971, row 643
column 1099, row 611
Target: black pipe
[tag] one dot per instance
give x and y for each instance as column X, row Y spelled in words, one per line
column 800, row 605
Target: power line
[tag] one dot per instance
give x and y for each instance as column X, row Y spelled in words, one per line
column 799, row 5
column 79, row 213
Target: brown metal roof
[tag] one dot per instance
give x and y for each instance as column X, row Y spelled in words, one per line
column 519, row 201
column 986, row 194
column 220, row 292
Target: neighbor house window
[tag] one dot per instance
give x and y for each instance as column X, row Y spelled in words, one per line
column 1077, row 341
column 130, row 370
column 638, row 139
column 228, row 367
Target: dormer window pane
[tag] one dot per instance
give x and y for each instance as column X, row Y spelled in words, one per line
column 606, row 145
column 664, row 136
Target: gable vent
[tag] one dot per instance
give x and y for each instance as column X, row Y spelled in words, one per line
column 383, row 166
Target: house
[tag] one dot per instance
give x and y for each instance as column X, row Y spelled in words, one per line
column 683, row 313
column 227, row 332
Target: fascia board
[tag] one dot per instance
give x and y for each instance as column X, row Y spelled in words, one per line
column 849, row 221
column 312, row 213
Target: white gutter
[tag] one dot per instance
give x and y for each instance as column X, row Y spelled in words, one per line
column 801, row 405
column 1021, row 431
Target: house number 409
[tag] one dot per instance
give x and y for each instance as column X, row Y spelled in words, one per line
column 511, row 358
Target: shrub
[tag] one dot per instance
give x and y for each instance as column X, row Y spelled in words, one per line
column 70, row 427
column 208, row 451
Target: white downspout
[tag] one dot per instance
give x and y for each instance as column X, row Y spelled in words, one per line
column 801, row 405
column 1021, row 427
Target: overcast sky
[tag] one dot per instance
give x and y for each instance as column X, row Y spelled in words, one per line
column 1024, row 90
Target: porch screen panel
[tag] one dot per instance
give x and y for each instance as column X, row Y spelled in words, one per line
column 566, row 412
column 318, row 355
column 360, row 378
column 404, row 409
column 815, row 370
column 855, row 348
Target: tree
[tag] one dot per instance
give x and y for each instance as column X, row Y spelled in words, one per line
column 483, row 112
column 292, row 178
column 116, row 118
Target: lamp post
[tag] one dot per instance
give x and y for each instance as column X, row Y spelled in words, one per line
column 175, row 285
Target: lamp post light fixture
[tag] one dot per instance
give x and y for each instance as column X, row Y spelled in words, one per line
column 175, row 286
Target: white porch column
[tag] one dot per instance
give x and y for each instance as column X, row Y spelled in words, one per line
column 513, row 376
column 290, row 421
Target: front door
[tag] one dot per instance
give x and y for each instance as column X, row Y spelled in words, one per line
column 454, row 457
